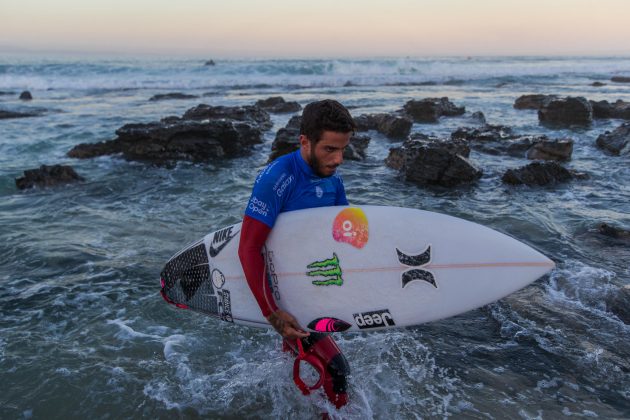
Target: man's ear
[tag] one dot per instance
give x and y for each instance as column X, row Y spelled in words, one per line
column 305, row 144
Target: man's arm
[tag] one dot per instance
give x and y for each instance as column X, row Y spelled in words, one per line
column 254, row 234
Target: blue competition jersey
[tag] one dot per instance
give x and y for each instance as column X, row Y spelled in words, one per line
column 288, row 183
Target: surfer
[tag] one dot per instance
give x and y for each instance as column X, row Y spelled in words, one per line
column 303, row 179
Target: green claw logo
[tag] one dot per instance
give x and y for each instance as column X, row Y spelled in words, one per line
column 326, row 268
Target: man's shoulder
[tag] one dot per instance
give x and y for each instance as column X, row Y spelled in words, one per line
column 276, row 169
column 278, row 177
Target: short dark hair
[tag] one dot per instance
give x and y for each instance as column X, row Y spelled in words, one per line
column 326, row 115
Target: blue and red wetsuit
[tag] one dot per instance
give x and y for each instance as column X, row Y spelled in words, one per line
column 288, row 184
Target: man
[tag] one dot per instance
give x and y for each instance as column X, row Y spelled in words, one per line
column 303, row 179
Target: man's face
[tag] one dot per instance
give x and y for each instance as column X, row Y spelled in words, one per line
column 327, row 153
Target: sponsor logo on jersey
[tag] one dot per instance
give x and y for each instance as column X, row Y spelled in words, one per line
column 329, row 269
column 319, row 192
column 258, row 206
column 374, row 319
column 282, row 187
column 220, row 240
column 416, row 261
column 351, row 227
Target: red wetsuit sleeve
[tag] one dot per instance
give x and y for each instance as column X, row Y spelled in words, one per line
column 253, row 236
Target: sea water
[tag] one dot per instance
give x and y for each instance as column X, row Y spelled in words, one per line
column 84, row 332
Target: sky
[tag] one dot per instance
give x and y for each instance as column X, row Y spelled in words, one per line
column 320, row 28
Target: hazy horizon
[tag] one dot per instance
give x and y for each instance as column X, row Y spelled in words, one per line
column 326, row 29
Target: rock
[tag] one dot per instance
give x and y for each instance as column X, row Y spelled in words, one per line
column 537, row 173
column 487, row 132
column 250, row 114
column 478, row 117
column 616, row 142
column 566, row 112
column 535, row 101
column 559, row 149
column 619, row 304
column 357, row 149
column 176, row 95
column 393, row 126
column 613, row 231
column 429, row 161
column 47, row 176
column 620, row 79
column 210, row 63
column 26, row 96
column 288, row 140
column 278, row 105
column 603, row 109
column 176, row 139
column 598, row 84
column 429, row 110
column 366, row 122
column 11, row 114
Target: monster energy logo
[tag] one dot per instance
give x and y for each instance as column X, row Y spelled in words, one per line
column 326, row 268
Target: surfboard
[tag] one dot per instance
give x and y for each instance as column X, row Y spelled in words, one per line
column 361, row 268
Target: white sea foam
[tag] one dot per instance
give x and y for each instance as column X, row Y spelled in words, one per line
column 126, row 332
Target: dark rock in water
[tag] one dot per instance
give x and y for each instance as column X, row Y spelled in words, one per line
column 429, row 161
column 429, row 110
column 487, row 132
column 251, row 114
column 604, row 109
column 566, row 112
column 535, row 101
column 278, row 105
column 47, row 176
column 620, row 304
column 176, row 95
column 616, row 142
column 478, row 117
column 288, row 140
column 559, row 149
column 11, row 114
column 598, row 84
column 499, row 139
column 613, row 231
column 177, row 139
column 393, row 126
column 620, row 79
column 357, row 148
column 538, row 173
column 26, row 96
column 210, row 63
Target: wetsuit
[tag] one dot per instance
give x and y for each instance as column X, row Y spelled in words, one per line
column 288, row 184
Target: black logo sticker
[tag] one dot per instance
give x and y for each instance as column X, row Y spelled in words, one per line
column 374, row 319
column 414, row 274
column 220, row 240
column 226, row 305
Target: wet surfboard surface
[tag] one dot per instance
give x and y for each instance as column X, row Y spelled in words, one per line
column 356, row 269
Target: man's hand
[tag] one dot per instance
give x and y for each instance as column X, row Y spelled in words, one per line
column 286, row 325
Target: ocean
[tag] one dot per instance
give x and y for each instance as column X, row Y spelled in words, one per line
column 84, row 332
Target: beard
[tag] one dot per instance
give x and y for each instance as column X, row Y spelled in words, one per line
column 317, row 166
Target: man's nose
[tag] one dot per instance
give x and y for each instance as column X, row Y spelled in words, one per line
column 338, row 157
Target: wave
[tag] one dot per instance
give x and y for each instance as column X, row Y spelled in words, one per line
column 89, row 73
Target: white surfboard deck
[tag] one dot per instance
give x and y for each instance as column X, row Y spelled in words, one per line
column 357, row 269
